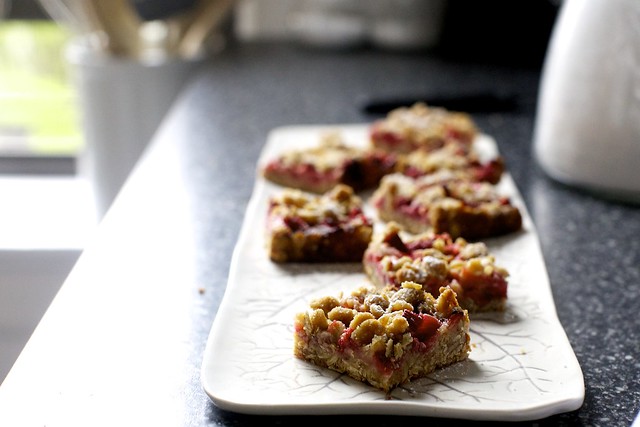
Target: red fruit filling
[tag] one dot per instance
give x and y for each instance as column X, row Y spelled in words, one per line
column 422, row 326
column 389, row 139
column 306, row 172
column 481, row 288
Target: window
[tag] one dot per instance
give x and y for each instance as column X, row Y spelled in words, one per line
column 39, row 126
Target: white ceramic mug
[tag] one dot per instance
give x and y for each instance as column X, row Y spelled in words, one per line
column 587, row 130
column 123, row 101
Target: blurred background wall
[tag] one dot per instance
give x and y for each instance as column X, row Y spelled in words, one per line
column 24, row 9
column 492, row 31
column 499, row 31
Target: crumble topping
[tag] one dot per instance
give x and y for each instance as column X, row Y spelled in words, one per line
column 421, row 126
column 437, row 261
column 330, row 153
column 460, row 161
column 429, row 188
column 304, row 210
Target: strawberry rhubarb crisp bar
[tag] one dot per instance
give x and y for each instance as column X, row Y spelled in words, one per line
column 446, row 202
column 452, row 158
column 384, row 338
column 419, row 126
column 436, row 261
column 304, row 227
column 318, row 169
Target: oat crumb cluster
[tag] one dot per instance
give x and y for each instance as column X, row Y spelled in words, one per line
column 428, row 267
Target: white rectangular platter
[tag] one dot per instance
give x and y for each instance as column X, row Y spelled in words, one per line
column 521, row 365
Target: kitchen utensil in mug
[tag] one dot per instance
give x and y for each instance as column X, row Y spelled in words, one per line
column 149, row 30
column 587, row 130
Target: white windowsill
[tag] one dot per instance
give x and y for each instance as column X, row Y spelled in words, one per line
column 45, row 212
column 45, row 222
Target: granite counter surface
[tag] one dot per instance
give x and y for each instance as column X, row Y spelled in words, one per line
column 591, row 246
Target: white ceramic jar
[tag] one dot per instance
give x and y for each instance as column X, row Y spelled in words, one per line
column 587, row 130
column 406, row 24
column 329, row 23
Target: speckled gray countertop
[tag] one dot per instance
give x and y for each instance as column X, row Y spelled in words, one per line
column 209, row 145
column 591, row 246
